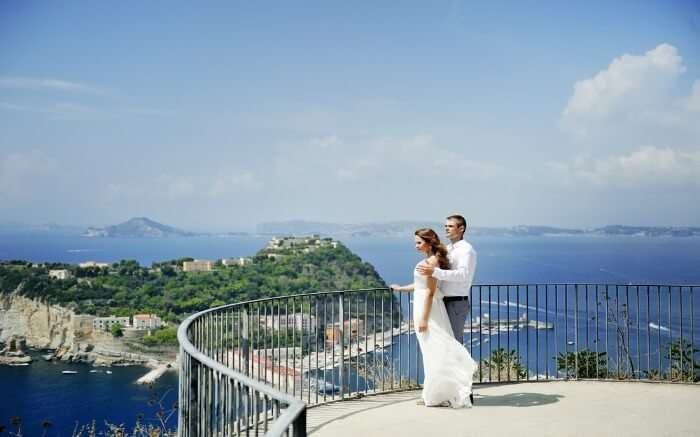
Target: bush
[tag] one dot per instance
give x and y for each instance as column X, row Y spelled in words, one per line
column 117, row 330
column 590, row 364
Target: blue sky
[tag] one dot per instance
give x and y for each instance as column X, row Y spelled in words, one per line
column 225, row 115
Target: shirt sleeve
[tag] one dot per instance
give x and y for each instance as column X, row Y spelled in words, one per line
column 465, row 263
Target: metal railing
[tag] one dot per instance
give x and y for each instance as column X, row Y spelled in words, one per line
column 253, row 367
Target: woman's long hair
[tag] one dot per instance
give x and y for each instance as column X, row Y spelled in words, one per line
column 436, row 248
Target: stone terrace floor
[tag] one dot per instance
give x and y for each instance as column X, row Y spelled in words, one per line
column 542, row 409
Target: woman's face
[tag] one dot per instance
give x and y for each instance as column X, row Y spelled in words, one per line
column 421, row 245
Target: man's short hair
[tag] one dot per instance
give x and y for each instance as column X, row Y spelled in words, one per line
column 459, row 219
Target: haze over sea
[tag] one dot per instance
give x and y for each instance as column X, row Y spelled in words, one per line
column 39, row 392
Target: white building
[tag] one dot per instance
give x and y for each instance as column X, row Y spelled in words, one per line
column 147, row 321
column 297, row 321
column 197, row 266
column 60, row 274
column 237, row 261
column 93, row 264
column 106, row 323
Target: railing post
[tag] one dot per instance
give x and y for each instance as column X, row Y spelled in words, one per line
column 299, row 426
column 245, row 347
column 341, row 331
column 193, row 407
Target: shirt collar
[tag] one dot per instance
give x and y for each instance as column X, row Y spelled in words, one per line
column 458, row 243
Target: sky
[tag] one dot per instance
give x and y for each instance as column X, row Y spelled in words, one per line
column 222, row 115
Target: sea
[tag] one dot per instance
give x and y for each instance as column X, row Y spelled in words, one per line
column 46, row 400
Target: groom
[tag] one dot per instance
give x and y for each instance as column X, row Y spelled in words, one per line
column 456, row 282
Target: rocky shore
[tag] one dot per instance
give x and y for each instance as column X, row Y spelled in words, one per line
column 32, row 324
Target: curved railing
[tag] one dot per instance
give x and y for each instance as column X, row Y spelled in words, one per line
column 254, row 367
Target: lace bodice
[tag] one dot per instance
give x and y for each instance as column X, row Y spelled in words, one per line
column 420, row 282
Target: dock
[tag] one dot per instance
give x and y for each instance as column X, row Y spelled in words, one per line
column 154, row 374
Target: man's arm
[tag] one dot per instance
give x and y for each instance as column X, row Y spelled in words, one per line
column 461, row 271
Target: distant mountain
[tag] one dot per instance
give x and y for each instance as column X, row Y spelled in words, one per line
column 138, row 227
column 403, row 228
column 48, row 228
column 649, row 231
column 301, row 227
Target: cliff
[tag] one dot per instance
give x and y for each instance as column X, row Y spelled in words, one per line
column 46, row 326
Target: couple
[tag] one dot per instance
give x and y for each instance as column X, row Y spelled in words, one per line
column 441, row 284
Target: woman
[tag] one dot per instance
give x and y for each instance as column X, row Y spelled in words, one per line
column 447, row 365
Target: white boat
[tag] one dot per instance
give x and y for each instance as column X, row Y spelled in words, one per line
column 69, row 372
column 108, row 372
column 19, row 364
column 93, row 371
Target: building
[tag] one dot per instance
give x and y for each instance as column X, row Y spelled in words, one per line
column 297, row 321
column 146, row 321
column 197, row 266
column 353, row 329
column 264, row 365
column 60, row 274
column 242, row 261
column 106, row 323
column 83, row 324
column 93, row 264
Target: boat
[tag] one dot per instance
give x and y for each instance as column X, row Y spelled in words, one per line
column 69, row 372
column 18, row 364
column 108, row 372
column 324, row 387
column 94, row 371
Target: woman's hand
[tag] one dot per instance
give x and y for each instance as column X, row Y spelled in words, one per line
column 395, row 287
column 423, row 326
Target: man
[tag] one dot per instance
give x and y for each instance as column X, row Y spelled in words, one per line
column 456, row 282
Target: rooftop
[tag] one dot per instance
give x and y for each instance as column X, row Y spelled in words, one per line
column 541, row 409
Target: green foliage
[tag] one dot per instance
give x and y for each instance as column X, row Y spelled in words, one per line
column 126, row 287
column 162, row 337
column 583, row 364
column 683, row 366
column 117, row 330
column 502, row 366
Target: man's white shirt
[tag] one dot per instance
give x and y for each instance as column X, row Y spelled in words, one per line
column 457, row 281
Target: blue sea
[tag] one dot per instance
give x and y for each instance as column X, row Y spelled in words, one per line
column 40, row 392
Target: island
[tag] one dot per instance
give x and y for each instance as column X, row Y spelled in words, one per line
column 124, row 313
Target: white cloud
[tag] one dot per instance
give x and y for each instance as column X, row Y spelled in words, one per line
column 626, row 76
column 22, row 174
column 647, row 167
column 693, row 102
column 191, row 187
column 51, row 84
column 634, row 98
column 380, row 159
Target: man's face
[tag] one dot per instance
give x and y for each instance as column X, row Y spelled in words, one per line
column 453, row 230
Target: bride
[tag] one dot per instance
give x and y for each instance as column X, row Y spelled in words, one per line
column 447, row 365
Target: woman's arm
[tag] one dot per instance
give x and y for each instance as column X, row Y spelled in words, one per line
column 397, row 287
column 432, row 285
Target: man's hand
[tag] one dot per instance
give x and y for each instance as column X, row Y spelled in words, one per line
column 425, row 270
column 423, row 326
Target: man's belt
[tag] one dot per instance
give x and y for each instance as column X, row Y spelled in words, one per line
column 454, row 298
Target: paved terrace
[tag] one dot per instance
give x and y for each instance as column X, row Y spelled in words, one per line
column 542, row 409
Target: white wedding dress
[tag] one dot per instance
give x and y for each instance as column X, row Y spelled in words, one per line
column 448, row 366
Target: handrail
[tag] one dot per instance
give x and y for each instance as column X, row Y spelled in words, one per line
column 368, row 345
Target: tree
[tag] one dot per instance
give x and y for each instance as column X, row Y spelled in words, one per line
column 683, row 366
column 590, row 364
column 117, row 330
